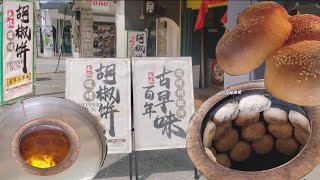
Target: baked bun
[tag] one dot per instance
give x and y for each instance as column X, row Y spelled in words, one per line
column 275, row 116
column 301, row 136
column 254, row 103
column 293, row 73
column 283, row 131
column 240, row 152
column 263, row 8
column 245, row 118
column 245, row 47
column 224, row 160
column 210, row 154
column 253, row 131
column 228, row 141
column 226, row 113
column 304, row 27
column 299, row 121
column 263, row 145
column 221, row 131
column 208, row 134
column 287, row 147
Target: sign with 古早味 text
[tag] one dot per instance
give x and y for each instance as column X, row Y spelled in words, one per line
column 163, row 102
column 137, row 44
column 17, row 63
column 103, row 86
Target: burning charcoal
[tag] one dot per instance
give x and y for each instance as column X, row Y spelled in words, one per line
column 281, row 131
column 301, row 136
column 210, row 155
column 208, row 134
column 254, row 103
column 299, row 121
column 253, row 131
column 287, row 147
column 275, row 116
column 226, row 113
column 240, row 152
column 245, row 118
column 263, row 145
column 221, row 131
column 224, row 160
column 228, row 141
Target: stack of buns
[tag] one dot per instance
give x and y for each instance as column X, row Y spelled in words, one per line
column 290, row 45
column 238, row 131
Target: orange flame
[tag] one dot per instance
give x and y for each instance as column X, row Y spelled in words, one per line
column 41, row 161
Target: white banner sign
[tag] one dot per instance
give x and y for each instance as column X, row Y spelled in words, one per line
column 163, row 102
column 103, row 86
column 17, row 49
column 137, row 44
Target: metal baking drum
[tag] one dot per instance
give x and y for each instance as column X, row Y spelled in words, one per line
column 83, row 136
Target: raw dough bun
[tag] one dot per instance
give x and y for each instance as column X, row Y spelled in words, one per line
column 275, row 116
column 245, row 118
column 208, row 134
column 264, row 8
column 299, row 121
column 240, row 152
column 221, row 131
column 210, row 155
column 248, row 45
column 287, row 147
column 228, row 141
column 254, row 103
column 226, row 113
column 292, row 73
column 284, row 131
column 301, row 136
column 304, row 27
column 263, row 145
column 224, row 160
column 253, row 131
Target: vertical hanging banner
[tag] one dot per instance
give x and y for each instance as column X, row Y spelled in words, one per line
column 18, row 55
column 137, row 44
column 163, row 102
column 103, row 86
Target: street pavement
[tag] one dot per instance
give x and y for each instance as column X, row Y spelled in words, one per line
column 152, row 165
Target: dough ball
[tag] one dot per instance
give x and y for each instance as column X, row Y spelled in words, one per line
column 208, row 134
column 263, row 145
column 254, row 103
column 210, row 155
column 221, row 131
column 240, row 152
column 299, row 121
column 253, row 131
column 284, row 131
column 226, row 113
column 301, row 136
column 224, row 160
column 228, row 141
column 245, row 118
column 287, row 147
column 275, row 116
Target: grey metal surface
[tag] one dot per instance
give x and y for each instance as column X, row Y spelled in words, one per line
column 92, row 140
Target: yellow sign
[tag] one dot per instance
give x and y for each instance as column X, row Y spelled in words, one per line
column 18, row 79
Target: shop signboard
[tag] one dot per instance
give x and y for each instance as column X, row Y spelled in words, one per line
column 103, row 86
column 137, row 44
column 18, row 50
column 103, row 7
column 163, row 101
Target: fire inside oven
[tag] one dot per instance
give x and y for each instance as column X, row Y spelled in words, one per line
column 44, row 146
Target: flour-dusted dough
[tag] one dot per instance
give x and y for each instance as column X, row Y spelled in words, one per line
column 254, row 103
column 209, row 133
column 226, row 113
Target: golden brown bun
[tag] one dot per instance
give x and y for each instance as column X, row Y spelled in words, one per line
column 245, row 47
column 293, row 73
column 245, row 118
column 264, row 8
column 240, row 152
column 221, row 131
column 224, row 160
column 283, row 131
column 263, row 145
column 287, row 147
column 304, row 27
column 228, row 141
column 301, row 136
column 253, row 131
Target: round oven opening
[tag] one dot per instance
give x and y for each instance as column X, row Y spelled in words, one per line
column 44, row 146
